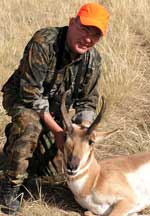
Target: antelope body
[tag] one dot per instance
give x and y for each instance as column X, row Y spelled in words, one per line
column 119, row 186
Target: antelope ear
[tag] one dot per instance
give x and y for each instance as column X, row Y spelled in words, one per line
column 100, row 136
column 93, row 136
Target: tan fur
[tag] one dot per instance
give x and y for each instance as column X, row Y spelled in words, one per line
column 114, row 187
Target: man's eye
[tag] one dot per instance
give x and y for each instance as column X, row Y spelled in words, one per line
column 85, row 29
column 65, row 137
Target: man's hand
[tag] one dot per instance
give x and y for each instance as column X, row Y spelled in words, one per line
column 54, row 128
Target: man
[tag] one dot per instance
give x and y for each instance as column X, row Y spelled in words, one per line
column 54, row 60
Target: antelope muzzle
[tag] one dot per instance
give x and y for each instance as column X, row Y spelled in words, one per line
column 72, row 164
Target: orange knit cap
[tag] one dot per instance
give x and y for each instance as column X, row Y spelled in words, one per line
column 93, row 14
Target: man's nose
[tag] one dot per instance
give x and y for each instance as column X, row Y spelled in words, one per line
column 88, row 39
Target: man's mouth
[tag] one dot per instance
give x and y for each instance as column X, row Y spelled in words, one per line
column 84, row 46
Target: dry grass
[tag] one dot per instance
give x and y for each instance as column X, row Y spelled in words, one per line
column 125, row 71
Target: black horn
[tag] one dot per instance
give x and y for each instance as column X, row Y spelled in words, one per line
column 98, row 118
column 64, row 113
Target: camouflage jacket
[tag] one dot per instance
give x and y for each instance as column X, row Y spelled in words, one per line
column 47, row 70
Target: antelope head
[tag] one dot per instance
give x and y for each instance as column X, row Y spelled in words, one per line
column 78, row 147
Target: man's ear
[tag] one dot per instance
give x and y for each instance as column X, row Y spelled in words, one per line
column 100, row 136
column 71, row 21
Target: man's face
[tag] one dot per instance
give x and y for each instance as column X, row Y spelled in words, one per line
column 81, row 38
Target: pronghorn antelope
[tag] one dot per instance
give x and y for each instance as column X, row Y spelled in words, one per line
column 119, row 186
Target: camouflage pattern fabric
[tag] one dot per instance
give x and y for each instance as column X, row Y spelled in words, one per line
column 29, row 148
column 42, row 163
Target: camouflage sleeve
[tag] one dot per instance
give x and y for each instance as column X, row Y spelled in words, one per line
column 34, row 67
column 87, row 101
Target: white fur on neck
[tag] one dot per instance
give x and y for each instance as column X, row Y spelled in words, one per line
column 77, row 185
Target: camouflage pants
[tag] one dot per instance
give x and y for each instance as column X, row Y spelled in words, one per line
column 29, row 147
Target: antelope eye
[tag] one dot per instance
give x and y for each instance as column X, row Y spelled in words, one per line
column 65, row 136
column 91, row 142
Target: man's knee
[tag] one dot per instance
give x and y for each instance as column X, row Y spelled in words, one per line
column 23, row 132
column 26, row 120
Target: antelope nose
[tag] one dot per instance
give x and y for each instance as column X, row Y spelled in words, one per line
column 73, row 163
column 71, row 166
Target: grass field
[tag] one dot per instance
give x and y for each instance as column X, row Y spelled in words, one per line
column 124, row 81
